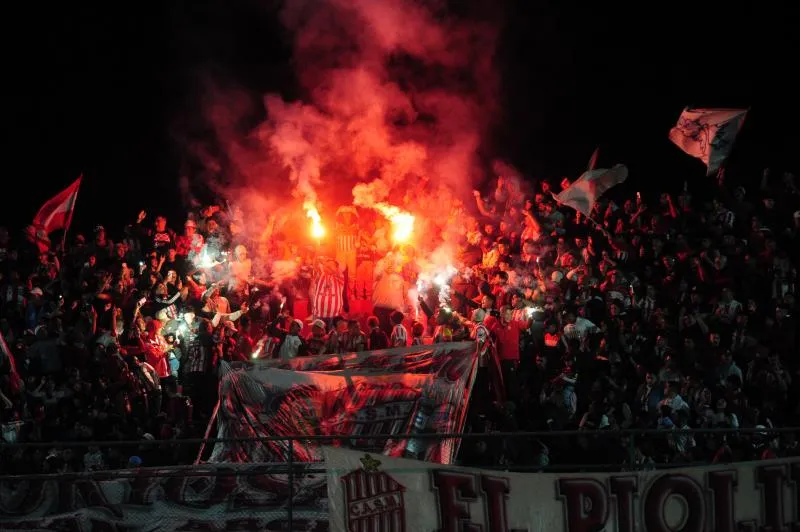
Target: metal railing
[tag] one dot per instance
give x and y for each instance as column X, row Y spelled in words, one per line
column 632, row 434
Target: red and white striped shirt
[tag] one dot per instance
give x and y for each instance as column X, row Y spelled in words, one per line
column 328, row 297
column 346, row 242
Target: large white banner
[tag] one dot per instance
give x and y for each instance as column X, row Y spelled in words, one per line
column 373, row 493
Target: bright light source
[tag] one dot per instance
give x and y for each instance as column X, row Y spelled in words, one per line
column 317, row 229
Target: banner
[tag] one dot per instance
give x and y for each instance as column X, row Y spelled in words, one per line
column 240, row 497
column 394, row 391
column 708, row 134
column 381, row 494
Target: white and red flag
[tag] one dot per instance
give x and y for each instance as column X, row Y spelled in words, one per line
column 56, row 213
column 585, row 191
column 708, row 134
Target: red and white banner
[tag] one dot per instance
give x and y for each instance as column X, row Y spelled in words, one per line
column 198, row 498
column 587, row 189
column 56, row 213
column 380, row 494
column 394, row 391
column 708, row 134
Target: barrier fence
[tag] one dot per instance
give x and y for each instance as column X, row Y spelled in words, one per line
column 275, row 496
column 631, row 436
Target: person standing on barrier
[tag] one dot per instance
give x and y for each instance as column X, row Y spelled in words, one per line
column 508, row 337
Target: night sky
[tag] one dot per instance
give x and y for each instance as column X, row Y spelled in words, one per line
column 108, row 90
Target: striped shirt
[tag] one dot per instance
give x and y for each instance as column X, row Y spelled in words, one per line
column 328, row 297
column 399, row 336
column 648, row 308
column 355, row 342
column 201, row 353
column 725, row 218
column 346, row 242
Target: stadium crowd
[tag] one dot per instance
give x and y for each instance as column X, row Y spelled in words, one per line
column 667, row 314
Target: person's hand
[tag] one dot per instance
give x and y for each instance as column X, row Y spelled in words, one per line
column 245, row 308
column 142, row 215
column 476, row 193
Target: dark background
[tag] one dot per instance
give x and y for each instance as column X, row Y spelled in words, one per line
column 105, row 89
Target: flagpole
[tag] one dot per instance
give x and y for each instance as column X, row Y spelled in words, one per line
column 69, row 219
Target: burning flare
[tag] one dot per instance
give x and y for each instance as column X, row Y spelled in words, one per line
column 317, row 229
column 402, row 222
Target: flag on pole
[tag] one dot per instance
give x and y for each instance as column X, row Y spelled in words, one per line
column 587, row 189
column 593, row 159
column 708, row 134
column 56, row 213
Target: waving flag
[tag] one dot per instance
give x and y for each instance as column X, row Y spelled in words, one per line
column 584, row 192
column 56, row 213
column 593, row 159
column 708, row 134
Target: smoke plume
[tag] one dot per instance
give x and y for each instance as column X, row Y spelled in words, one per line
column 396, row 96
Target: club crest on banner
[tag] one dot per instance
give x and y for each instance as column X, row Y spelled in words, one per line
column 373, row 500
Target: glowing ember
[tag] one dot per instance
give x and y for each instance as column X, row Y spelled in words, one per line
column 317, row 229
column 402, row 222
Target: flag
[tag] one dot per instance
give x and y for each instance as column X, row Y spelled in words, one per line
column 593, row 159
column 6, row 355
column 708, row 134
column 585, row 191
column 56, row 213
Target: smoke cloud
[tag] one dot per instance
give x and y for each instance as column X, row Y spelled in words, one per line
column 396, row 96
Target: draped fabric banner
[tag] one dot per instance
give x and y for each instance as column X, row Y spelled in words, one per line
column 381, row 494
column 213, row 498
column 395, row 391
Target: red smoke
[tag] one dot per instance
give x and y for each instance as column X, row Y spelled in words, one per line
column 397, row 96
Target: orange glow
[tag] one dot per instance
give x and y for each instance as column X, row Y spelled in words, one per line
column 402, row 222
column 317, row 229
